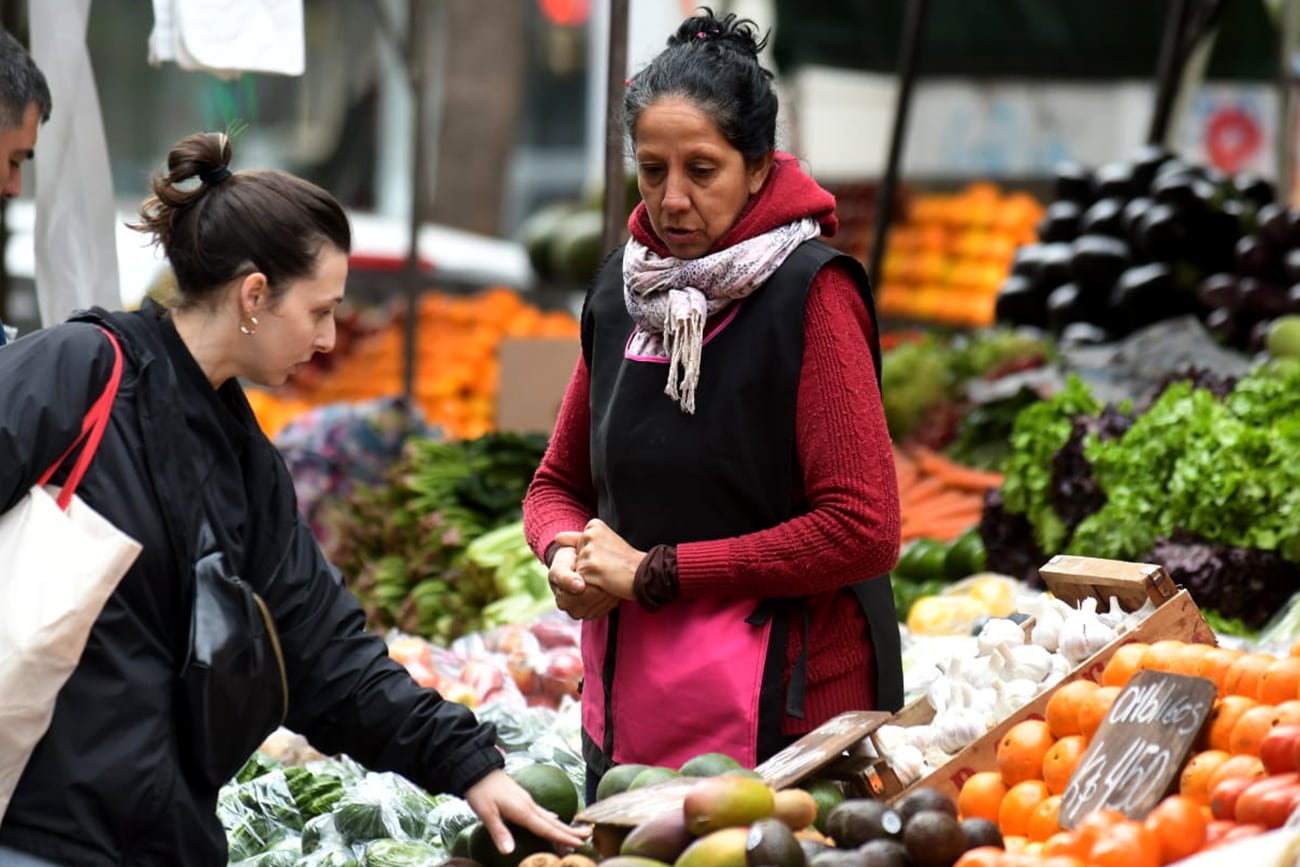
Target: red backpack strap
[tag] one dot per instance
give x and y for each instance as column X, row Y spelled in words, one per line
column 92, row 430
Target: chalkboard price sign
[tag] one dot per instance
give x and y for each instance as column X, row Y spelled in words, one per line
column 1139, row 750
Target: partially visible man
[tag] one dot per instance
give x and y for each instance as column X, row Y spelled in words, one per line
column 24, row 106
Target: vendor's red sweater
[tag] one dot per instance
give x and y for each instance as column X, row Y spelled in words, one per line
column 850, row 530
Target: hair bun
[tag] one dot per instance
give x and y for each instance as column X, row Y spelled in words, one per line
column 738, row 34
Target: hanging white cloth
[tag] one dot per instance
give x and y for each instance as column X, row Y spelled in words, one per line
column 229, row 37
column 76, row 252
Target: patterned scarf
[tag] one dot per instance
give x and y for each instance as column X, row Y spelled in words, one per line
column 671, row 299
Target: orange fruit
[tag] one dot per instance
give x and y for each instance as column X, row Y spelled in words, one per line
column 1162, row 655
column 982, row 856
column 1126, row 844
column 1223, row 716
column 1243, row 676
column 1250, row 728
column 1063, row 707
column 1126, row 662
column 1092, row 712
column 1061, row 861
column 1067, row 843
column 981, row 796
column 1045, row 821
column 1097, row 824
column 1060, row 761
column 1179, row 827
column 1020, row 752
column 1288, row 712
column 1194, row 781
column 1214, row 664
column 1236, row 766
column 1018, row 806
column 1280, row 681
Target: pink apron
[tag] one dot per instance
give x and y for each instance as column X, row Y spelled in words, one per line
column 687, row 680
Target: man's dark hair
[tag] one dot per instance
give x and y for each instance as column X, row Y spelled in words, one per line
column 21, row 84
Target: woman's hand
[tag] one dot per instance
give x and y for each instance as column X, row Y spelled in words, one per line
column 574, row 596
column 604, row 559
column 497, row 799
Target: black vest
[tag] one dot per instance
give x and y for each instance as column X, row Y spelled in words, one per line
column 663, row 476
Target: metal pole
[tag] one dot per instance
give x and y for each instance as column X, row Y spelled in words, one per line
column 913, row 29
column 1286, row 83
column 615, row 174
column 1169, row 70
column 418, row 37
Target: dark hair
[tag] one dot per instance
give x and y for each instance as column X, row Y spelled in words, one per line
column 713, row 62
column 232, row 225
column 21, row 84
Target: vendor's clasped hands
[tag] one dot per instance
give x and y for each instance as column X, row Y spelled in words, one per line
column 497, row 799
column 592, row 571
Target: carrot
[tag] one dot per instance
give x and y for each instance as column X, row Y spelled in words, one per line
column 925, row 488
column 955, row 475
column 906, row 470
column 945, row 505
column 945, row 530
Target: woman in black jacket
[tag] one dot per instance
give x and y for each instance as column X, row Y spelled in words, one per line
column 144, row 733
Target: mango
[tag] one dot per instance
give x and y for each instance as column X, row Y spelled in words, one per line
column 724, row 802
column 725, row 848
column 796, row 808
column 663, row 838
column 631, row 861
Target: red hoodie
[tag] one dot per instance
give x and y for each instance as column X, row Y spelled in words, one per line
column 851, row 528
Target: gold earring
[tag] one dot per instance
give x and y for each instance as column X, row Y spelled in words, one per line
column 251, row 328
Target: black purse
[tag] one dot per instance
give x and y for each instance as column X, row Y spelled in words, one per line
column 234, row 683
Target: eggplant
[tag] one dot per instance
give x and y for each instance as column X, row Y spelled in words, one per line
column 1148, row 293
column 1073, row 183
column 1133, row 212
column 1162, row 233
column 1104, row 217
column 1222, row 324
column 1274, row 225
column 1212, row 237
column 1055, row 268
column 1097, row 261
column 1254, row 189
column 1146, row 161
column 1291, row 265
column 1083, row 334
column 1020, row 303
column 1218, row 290
column 1293, row 299
column 1060, row 222
column 1261, row 299
column 1114, row 180
column 1070, row 303
column 1183, row 190
column 1028, row 260
column 1257, row 337
column 1256, row 257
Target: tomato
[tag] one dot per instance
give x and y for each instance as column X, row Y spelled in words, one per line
column 1223, row 798
column 1249, row 806
column 1278, row 748
column 1278, row 805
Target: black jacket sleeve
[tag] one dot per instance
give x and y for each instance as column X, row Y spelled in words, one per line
column 347, row 695
column 48, row 380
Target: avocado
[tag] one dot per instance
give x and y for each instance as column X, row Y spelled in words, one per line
column 1261, row 299
column 1073, row 184
column 884, row 853
column 1060, row 221
column 1097, row 261
column 708, row 765
column 1104, row 217
column 858, row 820
column 923, row 799
column 771, row 843
column 1291, row 265
column 981, row 832
column 1114, row 180
column 484, row 851
column 650, row 776
column 934, row 838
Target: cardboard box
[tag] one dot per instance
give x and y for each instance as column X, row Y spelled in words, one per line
column 534, row 372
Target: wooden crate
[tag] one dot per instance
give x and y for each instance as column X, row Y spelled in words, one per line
column 1176, row 616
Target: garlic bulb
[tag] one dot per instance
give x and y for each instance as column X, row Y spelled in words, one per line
column 1028, row 662
column 1114, row 615
column 999, row 630
column 1012, row 695
column 908, row 763
column 1084, row 633
column 1047, row 621
column 1133, row 618
column 958, row 726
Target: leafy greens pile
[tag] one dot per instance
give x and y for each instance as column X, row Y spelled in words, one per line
column 1203, row 478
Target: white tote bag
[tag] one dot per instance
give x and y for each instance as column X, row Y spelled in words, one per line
column 62, row 561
